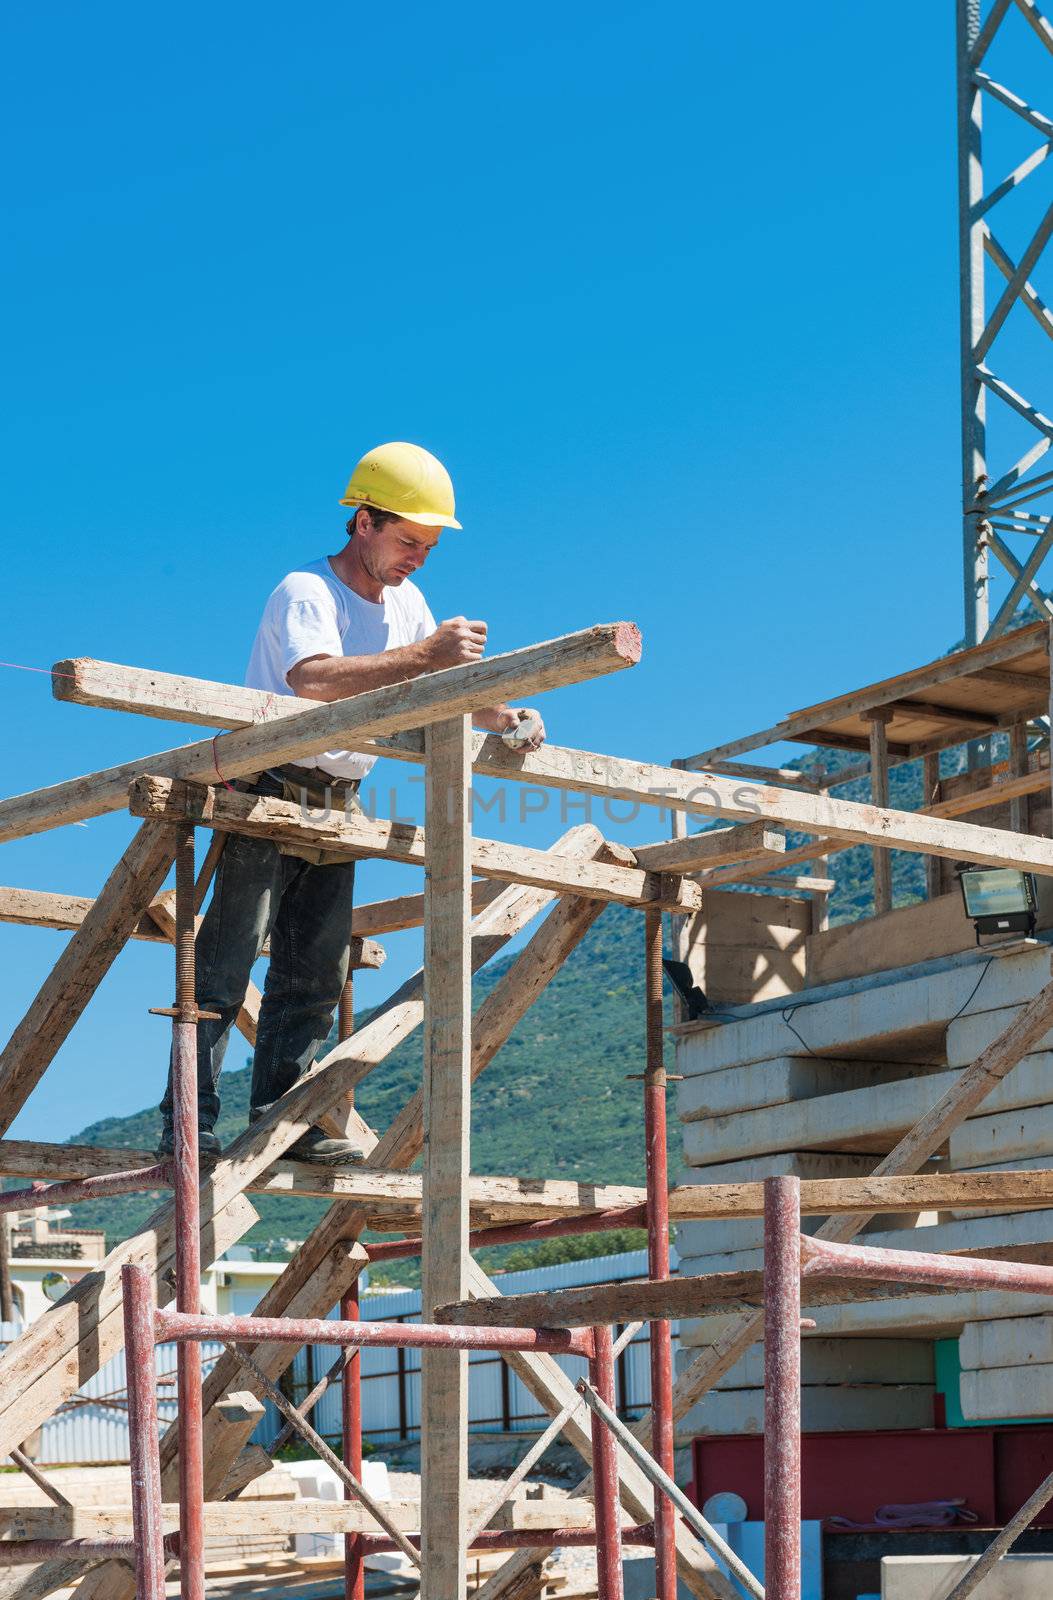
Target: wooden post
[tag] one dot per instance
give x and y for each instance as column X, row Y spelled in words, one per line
column 1019, row 805
column 930, row 782
column 447, row 1103
column 820, row 869
column 878, row 720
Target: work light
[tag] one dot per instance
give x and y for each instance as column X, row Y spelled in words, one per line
column 999, row 900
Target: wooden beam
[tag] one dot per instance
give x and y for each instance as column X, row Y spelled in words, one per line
column 957, row 806
column 881, row 861
column 962, row 664
column 456, row 691
column 646, row 783
column 257, row 1518
column 447, row 1118
column 39, row 908
column 326, row 1264
column 80, row 968
column 750, row 841
column 401, row 841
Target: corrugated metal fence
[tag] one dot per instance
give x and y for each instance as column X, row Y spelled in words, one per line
column 93, row 1426
column 497, row 1400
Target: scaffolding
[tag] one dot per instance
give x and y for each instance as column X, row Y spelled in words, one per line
column 478, row 894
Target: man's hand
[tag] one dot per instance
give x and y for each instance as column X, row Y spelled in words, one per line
column 454, row 642
column 503, row 719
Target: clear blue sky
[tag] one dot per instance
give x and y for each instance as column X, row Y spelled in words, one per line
column 672, row 290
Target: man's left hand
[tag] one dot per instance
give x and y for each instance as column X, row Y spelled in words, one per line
column 506, row 719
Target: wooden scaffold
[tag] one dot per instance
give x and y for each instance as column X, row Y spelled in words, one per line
column 478, row 895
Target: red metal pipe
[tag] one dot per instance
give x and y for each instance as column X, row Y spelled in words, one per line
column 821, row 1258
column 351, row 1422
column 187, row 1228
column 16, row 1552
column 144, row 1443
column 521, row 1232
column 661, row 1341
column 782, row 1388
column 71, row 1190
column 176, row 1327
column 605, row 1475
column 495, row 1539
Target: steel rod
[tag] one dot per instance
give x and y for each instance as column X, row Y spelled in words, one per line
column 822, row 1258
column 187, row 1185
column 102, row 1187
column 351, row 1430
column 43, row 1483
column 521, row 1232
column 605, row 1491
column 1002, row 1542
column 657, row 1169
column 542, row 1442
column 22, row 1552
column 662, row 1481
column 144, row 1442
column 782, row 1388
column 318, row 1444
column 175, row 1327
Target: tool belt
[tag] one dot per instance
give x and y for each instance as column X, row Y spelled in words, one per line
column 314, row 790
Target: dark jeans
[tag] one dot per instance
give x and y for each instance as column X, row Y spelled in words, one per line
column 305, row 911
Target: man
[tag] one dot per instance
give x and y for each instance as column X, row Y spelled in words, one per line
column 333, row 628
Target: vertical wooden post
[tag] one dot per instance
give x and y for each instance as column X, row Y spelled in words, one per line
column 882, row 859
column 820, row 869
column 7, row 1299
column 930, row 784
column 1018, row 807
column 678, row 925
column 447, row 1106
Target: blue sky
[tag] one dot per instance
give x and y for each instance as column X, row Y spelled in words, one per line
column 672, row 290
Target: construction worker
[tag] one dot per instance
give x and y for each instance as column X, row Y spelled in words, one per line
column 335, row 627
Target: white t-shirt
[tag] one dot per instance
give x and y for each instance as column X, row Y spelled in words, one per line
column 311, row 613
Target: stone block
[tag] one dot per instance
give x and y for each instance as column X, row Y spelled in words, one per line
column 1000, row 1392
column 773, row 1083
column 1006, row 1136
column 825, row 1408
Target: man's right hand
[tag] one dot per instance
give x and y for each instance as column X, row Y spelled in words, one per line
column 455, row 641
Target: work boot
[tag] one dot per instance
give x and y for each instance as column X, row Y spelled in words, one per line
column 209, row 1148
column 316, row 1146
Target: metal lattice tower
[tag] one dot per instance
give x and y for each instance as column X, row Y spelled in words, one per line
column 1006, row 503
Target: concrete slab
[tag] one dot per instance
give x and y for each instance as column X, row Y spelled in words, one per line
column 825, row 1408
column 858, row 1120
column 1012, row 1342
column 1006, row 1136
column 1007, row 1392
column 780, row 1164
column 875, row 1011
column 837, row 1361
column 910, row 1316
column 772, row 1083
column 1027, row 1577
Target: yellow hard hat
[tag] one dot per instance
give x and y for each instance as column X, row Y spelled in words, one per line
column 405, row 480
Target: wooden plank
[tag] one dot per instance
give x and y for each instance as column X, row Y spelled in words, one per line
column 447, row 1117
column 881, row 861
column 80, row 968
column 39, row 908
column 750, row 841
column 1007, row 647
column 455, row 691
column 614, row 777
column 491, row 1198
column 401, row 841
column 247, row 1519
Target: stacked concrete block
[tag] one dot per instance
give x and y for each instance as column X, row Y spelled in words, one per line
column 1028, row 1577
column 1007, row 1368
column 826, row 1098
